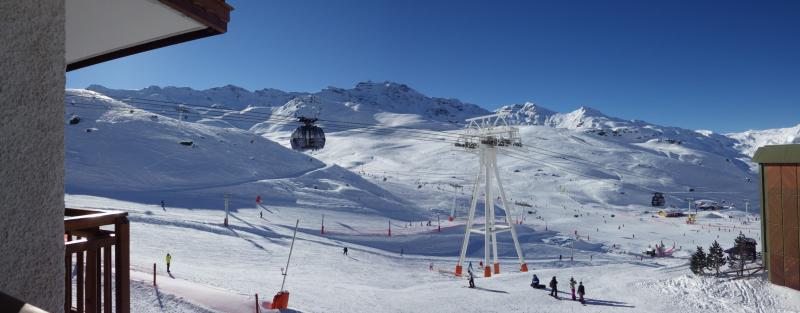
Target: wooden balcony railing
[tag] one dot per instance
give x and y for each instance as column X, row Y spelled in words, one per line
column 95, row 241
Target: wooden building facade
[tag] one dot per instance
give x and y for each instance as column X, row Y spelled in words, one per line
column 780, row 212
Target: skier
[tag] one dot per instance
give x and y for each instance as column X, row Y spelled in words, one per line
column 345, row 251
column 535, row 282
column 572, row 287
column 169, row 261
column 559, row 257
column 581, row 292
column 261, row 214
column 554, row 287
column 471, row 277
column 162, row 205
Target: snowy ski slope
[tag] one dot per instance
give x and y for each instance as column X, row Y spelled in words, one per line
column 578, row 172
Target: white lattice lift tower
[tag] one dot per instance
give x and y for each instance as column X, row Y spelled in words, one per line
column 484, row 135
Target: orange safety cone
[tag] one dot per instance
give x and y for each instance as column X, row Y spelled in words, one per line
column 280, row 301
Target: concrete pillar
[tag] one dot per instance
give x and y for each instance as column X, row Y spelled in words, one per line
column 32, row 152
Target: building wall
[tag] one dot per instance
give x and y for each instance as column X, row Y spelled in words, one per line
column 781, row 221
column 32, row 151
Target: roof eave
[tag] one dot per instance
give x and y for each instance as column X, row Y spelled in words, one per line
column 778, row 154
column 214, row 14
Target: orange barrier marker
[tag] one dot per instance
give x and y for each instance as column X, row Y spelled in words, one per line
column 487, row 271
column 497, row 268
column 280, row 301
column 458, row 270
column 523, row 268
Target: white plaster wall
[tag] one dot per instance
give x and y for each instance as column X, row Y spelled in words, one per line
column 32, row 151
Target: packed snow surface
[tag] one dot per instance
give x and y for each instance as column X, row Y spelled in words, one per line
column 581, row 186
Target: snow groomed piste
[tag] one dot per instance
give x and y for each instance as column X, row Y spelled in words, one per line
column 388, row 168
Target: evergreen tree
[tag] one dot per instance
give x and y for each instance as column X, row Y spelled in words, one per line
column 715, row 258
column 742, row 248
column 698, row 261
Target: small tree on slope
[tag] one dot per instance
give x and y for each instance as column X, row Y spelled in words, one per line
column 740, row 246
column 716, row 257
column 698, row 261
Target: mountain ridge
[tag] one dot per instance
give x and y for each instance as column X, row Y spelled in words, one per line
column 366, row 101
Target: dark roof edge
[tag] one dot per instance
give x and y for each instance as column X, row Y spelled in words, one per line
column 202, row 33
column 214, row 14
column 211, row 13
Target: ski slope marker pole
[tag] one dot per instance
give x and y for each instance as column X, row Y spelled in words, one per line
column 154, row 274
column 226, row 209
column 291, row 248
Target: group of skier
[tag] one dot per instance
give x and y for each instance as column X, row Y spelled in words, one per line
column 581, row 291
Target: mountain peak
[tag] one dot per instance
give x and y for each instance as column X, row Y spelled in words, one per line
column 384, row 86
column 588, row 112
column 527, row 113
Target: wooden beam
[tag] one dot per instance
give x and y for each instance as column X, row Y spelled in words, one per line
column 91, row 281
column 72, row 223
column 80, row 281
column 123, row 266
column 107, row 279
column 68, row 279
column 85, row 244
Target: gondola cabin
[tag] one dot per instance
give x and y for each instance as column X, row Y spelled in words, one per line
column 658, row 199
column 308, row 136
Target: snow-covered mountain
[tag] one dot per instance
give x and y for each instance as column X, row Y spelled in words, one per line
column 749, row 141
column 580, row 185
column 675, row 158
column 268, row 110
column 591, row 121
column 117, row 150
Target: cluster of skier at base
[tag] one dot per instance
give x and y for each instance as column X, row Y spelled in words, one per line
column 554, row 288
column 581, row 290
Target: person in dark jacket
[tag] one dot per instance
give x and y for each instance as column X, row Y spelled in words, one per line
column 581, row 292
column 535, row 281
column 344, row 251
column 554, row 287
column 471, row 278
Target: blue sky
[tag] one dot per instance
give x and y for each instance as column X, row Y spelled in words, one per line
column 718, row 65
